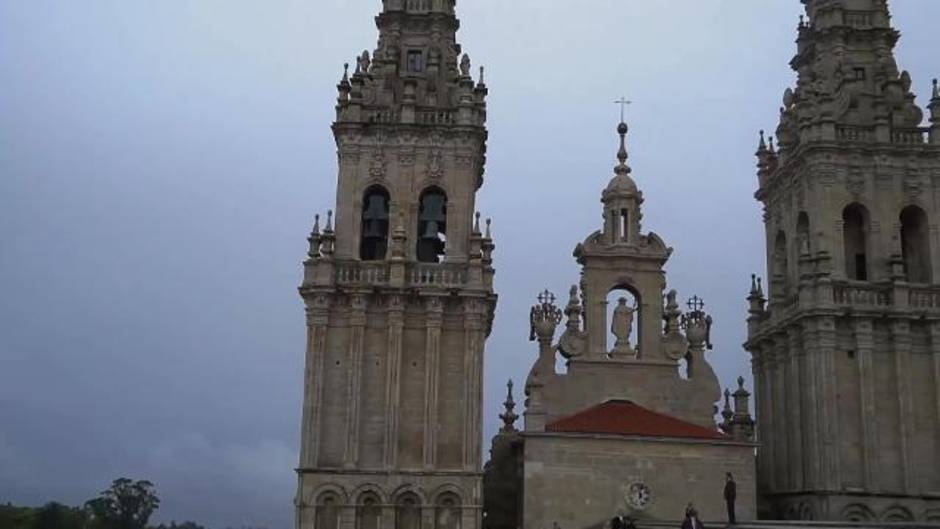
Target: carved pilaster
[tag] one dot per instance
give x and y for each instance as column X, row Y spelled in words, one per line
column 396, row 325
column 935, row 349
column 318, row 314
column 829, row 378
column 473, row 367
column 901, row 336
column 811, row 474
column 795, row 410
column 357, row 327
column 864, row 347
column 781, row 439
column 435, row 317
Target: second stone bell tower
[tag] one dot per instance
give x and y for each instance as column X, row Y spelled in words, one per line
column 398, row 289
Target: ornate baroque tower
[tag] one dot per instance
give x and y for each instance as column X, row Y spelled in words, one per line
column 399, row 293
column 846, row 357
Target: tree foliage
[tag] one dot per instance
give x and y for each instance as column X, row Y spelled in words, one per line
column 127, row 504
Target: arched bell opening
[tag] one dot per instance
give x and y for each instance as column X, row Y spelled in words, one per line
column 447, row 512
column 623, row 322
column 915, row 245
column 373, row 241
column 369, row 512
column 855, row 233
column 327, row 511
column 432, row 226
column 408, row 512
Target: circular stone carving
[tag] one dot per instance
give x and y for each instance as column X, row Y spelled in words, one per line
column 639, row 496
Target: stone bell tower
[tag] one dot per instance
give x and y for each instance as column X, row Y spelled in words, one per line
column 846, row 356
column 398, row 289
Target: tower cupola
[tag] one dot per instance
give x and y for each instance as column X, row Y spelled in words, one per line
column 622, row 199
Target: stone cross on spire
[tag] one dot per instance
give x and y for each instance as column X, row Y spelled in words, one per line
column 623, row 102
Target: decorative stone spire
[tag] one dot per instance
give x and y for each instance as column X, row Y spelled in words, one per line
column 742, row 424
column 934, row 108
column 622, row 168
column 509, row 416
column 848, row 82
column 727, row 414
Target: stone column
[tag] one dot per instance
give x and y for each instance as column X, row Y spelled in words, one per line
column 864, row 350
column 318, row 315
column 357, row 327
column 901, row 336
column 435, row 320
column 396, row 325
column 794, row 396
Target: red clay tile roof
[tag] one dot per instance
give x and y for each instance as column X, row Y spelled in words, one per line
column 622, row 417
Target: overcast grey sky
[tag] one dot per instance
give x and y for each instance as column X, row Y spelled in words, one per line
column 161, row 163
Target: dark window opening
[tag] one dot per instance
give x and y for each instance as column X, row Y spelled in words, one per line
column 415, row 61
column 432, row 226
column 375, row 215
column 915, row 245
column 860, row 74
column 851, row 355
column 855, row 240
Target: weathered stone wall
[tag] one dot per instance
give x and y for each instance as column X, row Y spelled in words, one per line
column 582, row 481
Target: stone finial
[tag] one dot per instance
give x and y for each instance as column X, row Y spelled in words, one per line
column 622, row 156
column 936, row 90
column 316, row 224
column 544, row 317
column 476, row 224
column 770, row 147
column 489, row 232
column 509, row 416
column 329, row 222
column 697, row 324
column 753, row 284
column 481, row 82
column 345, row 78
column 315, row 240
column 762, row 146
column 726, row 413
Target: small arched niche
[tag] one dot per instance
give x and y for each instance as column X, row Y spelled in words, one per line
column 368, row 511
column 408, row 512
column 855, row 233
column 623, row 322
column 447, row 512
column 373, row 240
column 915, row 244
column 327, row 511
column 781, row 265
column 432, row 226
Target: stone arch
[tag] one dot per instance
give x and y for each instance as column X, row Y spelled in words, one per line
column 327, row 510
column 410, row 489
column 375, row 222
column 449, row 488
column 857, row 512
column 369, row 488
column 431, row 236
column 856, row 230
column 334, row 488
column 408, row 510
column 915, row 244
column 932, row 516
column 368, row 509
column 792, row 512
column 897, row 513
column 447, row 511
column 807, row 512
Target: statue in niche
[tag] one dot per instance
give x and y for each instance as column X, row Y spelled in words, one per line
column 622, row 327
column 465, row 65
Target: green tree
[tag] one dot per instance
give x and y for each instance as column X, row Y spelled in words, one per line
column 127, row 504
